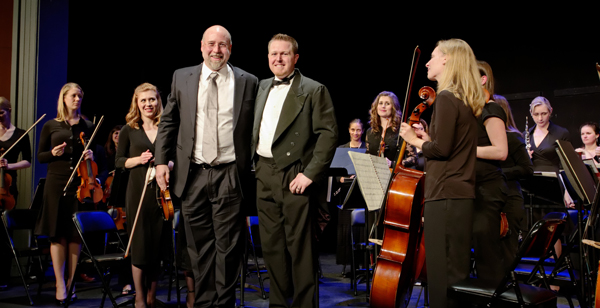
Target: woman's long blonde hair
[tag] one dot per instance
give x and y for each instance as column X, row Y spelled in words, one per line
column 133, row 117
column 461, row 75
column 61, row 110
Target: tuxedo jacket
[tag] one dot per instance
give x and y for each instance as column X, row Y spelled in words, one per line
column 177, row 129
column 306, row 131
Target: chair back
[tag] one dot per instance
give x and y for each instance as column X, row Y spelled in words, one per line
column 176, row 219
column 20, row 219
column 94, row 221
column 251, row 221
column 541, row 238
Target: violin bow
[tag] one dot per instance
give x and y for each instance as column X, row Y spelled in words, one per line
column 25, row 133
column 137, row 214
column 87, row 146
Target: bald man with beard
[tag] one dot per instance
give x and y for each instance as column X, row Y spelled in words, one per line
column 211, row 152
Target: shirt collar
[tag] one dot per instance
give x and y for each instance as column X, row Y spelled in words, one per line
column 224, row 72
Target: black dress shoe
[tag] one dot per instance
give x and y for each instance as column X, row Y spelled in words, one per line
column 60, row 302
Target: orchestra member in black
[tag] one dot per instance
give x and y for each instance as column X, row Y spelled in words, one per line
column 135, row 152
column 517, row 166
column 543, row 136
column 11, row 162
column 386, row 116
column 491, row 190
column 589, row 137
column 60, row 147
column 356, row 131
column 450, row 155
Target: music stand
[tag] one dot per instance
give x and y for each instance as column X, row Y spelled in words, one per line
column 38, row 196
column 584, row 185
column 341, row 165
column 536, row 189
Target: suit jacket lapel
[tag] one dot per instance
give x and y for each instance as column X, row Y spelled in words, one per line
column 294, row 101
column 261, row 100
column 192, row 93
column 238, row 92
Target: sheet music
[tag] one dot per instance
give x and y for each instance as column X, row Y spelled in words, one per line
column 373, row 175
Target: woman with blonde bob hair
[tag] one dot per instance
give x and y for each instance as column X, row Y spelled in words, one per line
column 382, row 136
column 135, row 153
column 60, row 147
column 450, row 153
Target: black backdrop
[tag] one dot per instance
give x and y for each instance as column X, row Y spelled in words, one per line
column 356, row 52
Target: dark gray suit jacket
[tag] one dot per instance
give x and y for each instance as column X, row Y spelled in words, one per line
column 307, row 129
column 176, row 131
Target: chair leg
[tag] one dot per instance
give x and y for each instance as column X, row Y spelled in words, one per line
column 25, row 285
column 353, row 283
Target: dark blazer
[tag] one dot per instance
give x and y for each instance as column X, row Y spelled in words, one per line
column 307, row 130
column 178, row 123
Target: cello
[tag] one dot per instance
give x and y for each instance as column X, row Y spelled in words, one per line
column 402, row 254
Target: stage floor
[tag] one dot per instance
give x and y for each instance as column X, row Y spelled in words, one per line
column 333, row 289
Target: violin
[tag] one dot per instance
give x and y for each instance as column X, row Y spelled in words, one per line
column 7, row 200
column 166, row 204
column 89, row 191
column 107, row 187
column 402, row 253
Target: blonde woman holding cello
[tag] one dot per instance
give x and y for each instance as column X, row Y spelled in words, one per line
column 450, row 153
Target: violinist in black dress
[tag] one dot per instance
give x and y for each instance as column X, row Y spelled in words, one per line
column 135, row 152
column 60, row 147
column 9, row 134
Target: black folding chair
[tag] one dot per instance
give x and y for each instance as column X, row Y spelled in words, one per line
column 90, row 224
column 509, row 292
column 22, row 219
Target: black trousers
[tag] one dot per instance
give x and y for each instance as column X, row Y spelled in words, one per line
column 490, row 199
column 286, row 236
column 211, row 206
column 515, row 215
column 447, row 246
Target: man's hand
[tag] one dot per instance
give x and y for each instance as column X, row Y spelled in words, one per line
column 162, row 176
column 299, row 184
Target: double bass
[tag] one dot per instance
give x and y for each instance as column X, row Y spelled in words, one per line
column 402, row 254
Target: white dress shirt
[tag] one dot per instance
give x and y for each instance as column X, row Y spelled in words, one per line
column 225, row 88
column 270, row 118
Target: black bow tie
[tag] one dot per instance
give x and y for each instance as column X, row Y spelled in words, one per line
column 285, row 80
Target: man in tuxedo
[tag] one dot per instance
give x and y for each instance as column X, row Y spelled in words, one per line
column 293, row 142
column 206, row 130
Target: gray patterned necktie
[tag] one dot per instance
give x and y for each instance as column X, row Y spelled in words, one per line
column 210, row 144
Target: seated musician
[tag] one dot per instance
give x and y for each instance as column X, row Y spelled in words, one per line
column 589, row 137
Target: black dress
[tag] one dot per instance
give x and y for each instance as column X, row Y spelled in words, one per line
column 55, row 218
column 151, row 230
column 544, row 155
column 373, row 141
